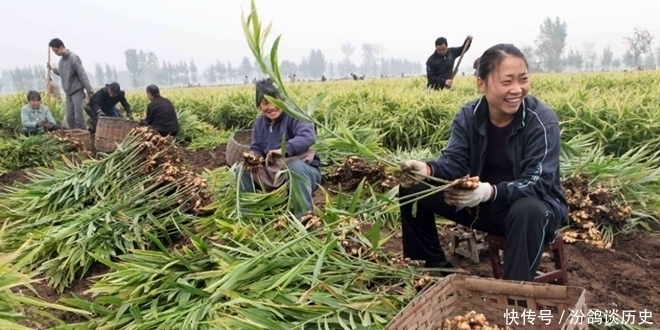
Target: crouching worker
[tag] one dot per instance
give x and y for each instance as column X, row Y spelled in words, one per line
column 36, row 117
column 104, row 103
column 302, row 163
column 161, row 115
column 509, row 140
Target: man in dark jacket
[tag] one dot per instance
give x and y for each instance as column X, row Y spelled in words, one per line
column 440, row 65
column 300, row 136
column 104, row 101
column 161, row 115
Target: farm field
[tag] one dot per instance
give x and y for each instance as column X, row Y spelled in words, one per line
column 133, row 241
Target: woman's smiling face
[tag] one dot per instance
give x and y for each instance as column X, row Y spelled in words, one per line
column 506, row 86
column 269, row 110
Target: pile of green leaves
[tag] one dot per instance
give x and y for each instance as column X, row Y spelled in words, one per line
column 22, row 152
column 101, row 207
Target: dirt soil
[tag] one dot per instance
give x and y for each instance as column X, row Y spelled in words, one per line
column 199, row 160
column 48, row 294
column 9, row 178
column 625, row 278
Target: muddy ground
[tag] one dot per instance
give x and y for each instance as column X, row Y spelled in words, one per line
column 625, row 278
column 199, row 160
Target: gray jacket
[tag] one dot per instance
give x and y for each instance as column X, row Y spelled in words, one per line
column 73, row 75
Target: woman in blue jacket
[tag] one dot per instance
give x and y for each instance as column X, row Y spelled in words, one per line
column 511, row 141
column 269, row 129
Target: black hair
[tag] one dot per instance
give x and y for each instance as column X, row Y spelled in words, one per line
column 56, row 43
column 31, row 95
column 265, row 87
column 153, row 90
column 441, row 41
column 114, row 87
column 493, row 56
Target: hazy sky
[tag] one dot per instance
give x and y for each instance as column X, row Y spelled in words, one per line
column 206, row 30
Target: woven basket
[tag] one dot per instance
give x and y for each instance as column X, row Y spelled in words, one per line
column 82, row 135
column 110, row 131
column 457, row 294
column 239, row 142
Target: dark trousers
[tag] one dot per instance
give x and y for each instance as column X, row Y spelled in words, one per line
column 435, row 86
column 30, row 132
column 527, row 225
column 164, row 134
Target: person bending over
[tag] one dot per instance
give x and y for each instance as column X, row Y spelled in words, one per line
column 269, row 129
column 36, row 117
column 104, row 101
column 511, row 141
column 161, row 115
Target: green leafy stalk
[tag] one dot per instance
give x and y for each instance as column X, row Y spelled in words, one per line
column 256, row 38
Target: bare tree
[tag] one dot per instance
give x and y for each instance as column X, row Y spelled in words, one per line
column 532, row 58
column 551, row 43
column 607, row 58
column 574, row 59
column 589, row 56
column 347, row 66
column 639, row 43
column 347, row 49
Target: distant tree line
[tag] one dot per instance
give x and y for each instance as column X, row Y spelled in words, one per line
column 548, row 54
column 143, row 68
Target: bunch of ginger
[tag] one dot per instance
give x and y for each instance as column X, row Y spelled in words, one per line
column 470, row 321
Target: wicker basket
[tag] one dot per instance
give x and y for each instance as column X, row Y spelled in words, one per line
column 239, row 142
column 82, row 135
column 110, row 131
column 457, row 294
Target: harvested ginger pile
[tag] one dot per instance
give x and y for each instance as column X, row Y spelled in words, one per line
column 252, row 162
column 355, row 169
column 591, row 207
column 470, row 321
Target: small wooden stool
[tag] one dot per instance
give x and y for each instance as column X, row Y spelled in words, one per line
column 474, row 239
column 557, row 276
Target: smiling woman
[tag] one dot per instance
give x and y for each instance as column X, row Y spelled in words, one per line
column 508, row 142
column 294, row 153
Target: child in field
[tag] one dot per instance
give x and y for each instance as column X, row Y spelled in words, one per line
column 36, row 117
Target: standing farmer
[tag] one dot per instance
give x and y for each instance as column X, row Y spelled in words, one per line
column 440, row 65
column 74, row 82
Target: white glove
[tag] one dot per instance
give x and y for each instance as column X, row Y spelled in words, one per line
column 469, row 198
column 413, row 172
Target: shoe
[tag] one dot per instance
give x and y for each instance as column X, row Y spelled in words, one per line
column 440, row 264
